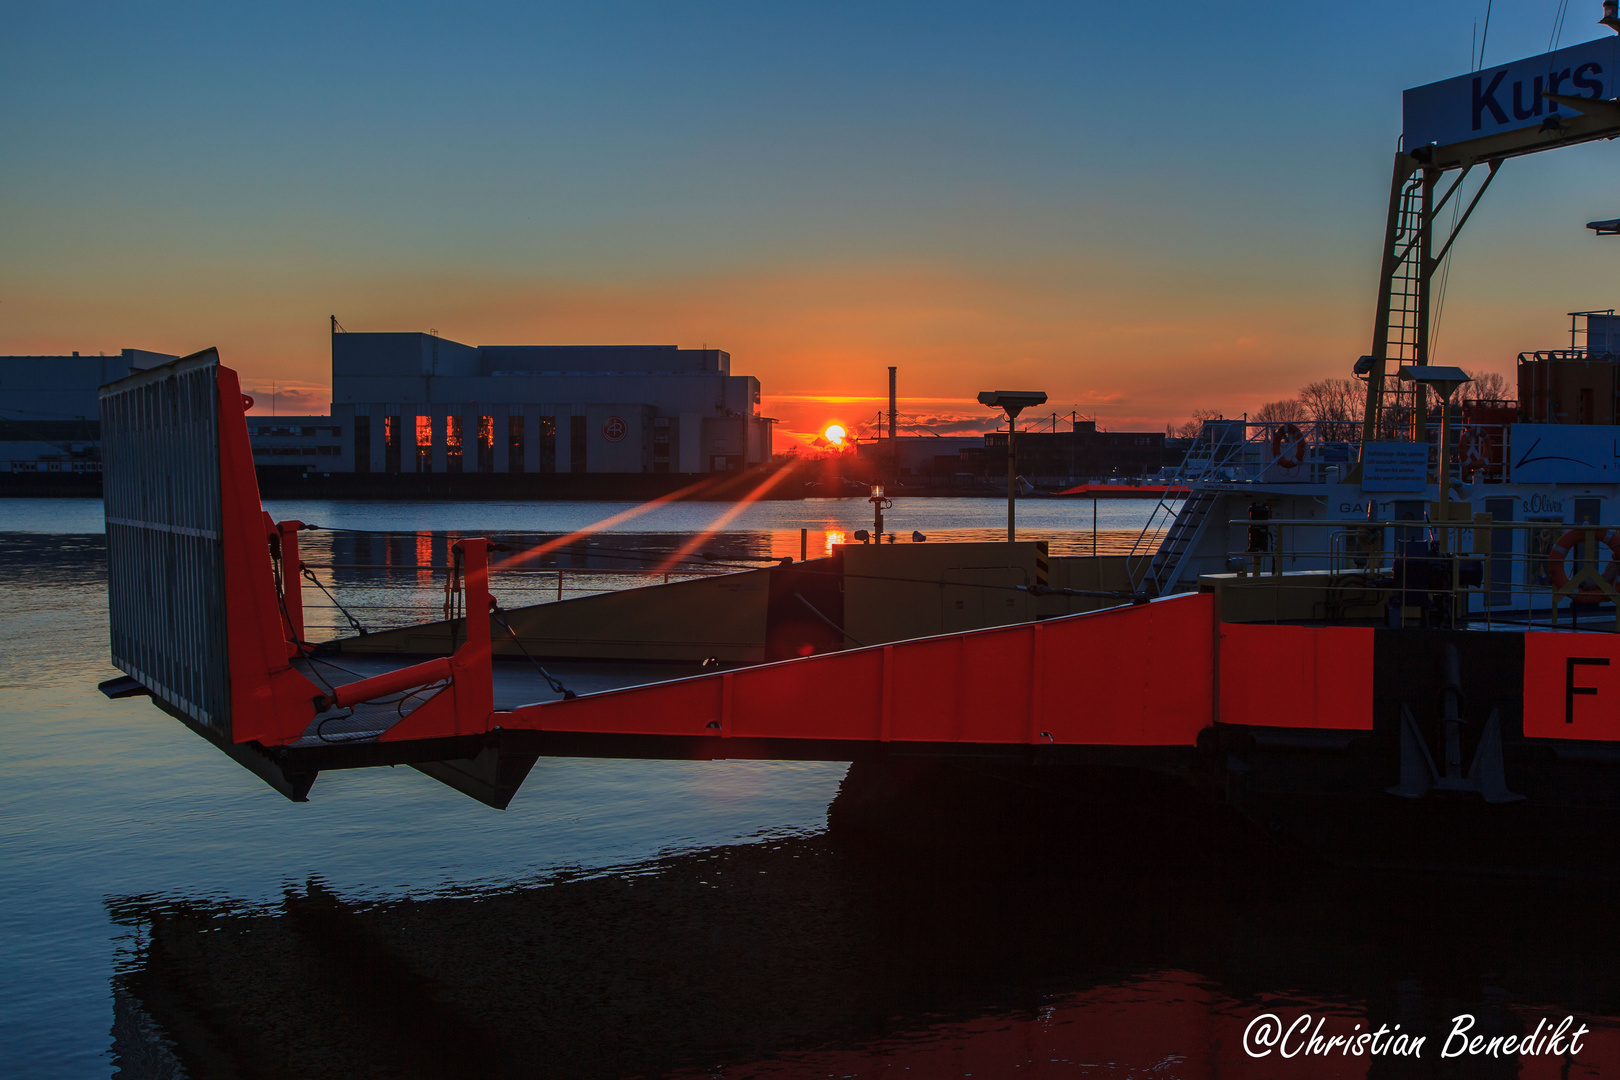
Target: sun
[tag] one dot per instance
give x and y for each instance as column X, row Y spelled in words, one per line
column 834, row 434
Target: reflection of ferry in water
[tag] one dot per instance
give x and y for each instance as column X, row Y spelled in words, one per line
column 1353, row 650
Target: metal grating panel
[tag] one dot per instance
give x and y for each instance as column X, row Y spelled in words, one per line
column 165, row 566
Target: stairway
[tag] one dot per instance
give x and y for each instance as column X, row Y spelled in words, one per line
column 1179, row 541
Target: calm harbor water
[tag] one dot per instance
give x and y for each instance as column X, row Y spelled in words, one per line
column 693, row 919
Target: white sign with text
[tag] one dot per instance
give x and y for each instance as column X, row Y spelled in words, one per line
column 1510, row 96
column 1394, row 466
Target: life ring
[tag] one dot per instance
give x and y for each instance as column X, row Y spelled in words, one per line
column 1587, row 593
column 1471, row 452
column 1290, row 436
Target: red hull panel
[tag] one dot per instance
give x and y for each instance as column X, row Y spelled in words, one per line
column 1297, row 676
column 1572, row 686
column 1102, row 679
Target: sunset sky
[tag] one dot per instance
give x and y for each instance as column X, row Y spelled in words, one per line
column 1140, row 209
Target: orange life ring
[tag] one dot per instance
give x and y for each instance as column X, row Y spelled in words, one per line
column 1288, row 435
column 1587, row 593
column 1471, row 452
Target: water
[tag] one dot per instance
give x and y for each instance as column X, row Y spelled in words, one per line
column 1065, row 522
column 628, row 917
column 102, row 799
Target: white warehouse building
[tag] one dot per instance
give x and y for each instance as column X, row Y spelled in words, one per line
column 419, row 403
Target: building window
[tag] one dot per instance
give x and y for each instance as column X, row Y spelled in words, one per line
column 424, row 444
column 391, row 433
column 452, row 444
column 548, row 444
column 362, row 444
column 486, row 444
column 660, row 449
column 576, row 444
column 514, row 444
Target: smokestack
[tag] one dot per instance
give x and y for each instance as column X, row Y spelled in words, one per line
column 893, row 411
column 894, row 432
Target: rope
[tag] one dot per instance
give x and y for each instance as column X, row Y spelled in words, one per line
column 1557, row 34
column 829, row 622
column 307, row 651
column 556, row 687
column 1103, row 594
column 353, row 622
column 452, row 596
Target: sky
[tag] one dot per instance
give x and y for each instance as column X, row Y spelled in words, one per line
column 1141, row 209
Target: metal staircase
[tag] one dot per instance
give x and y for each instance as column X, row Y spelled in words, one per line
column 1179, row 541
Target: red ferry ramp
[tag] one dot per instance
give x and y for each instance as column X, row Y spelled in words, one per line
column 1276, row 721
column 206, row 617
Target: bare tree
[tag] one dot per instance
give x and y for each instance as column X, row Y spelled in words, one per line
column 1336, row 406
column 1288, row 410
column 1487, row 386
column 1192, row 427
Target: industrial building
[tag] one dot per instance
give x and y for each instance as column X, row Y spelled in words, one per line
column 413, row 403
column 1045, row 458
column 50, row 412
column 1079, row 455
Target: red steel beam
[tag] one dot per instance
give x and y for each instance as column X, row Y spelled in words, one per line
column 467, row 705
column 285, row 535
column 271, row 702
column 1136, row 676
column 391, row 682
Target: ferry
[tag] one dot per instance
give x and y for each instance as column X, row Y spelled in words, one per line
column 1392, row 647
column 1518, row 484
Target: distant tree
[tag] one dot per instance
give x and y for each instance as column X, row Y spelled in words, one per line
column 1192, row 427
column 1487, row 386
column 1287, row 410
column 1336, row 405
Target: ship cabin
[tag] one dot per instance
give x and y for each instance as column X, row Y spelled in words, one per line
column 1510, row 504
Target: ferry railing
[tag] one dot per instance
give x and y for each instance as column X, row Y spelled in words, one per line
column 391, row 603
column 1235, row 452
column 1246, row 451
column 1519, row 584
column 1250, row 451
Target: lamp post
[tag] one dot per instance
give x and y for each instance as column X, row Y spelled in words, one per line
column 879, row 504
column 1445, row 381
column 1013, row 402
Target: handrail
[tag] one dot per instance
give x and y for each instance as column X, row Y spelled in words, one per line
column 1536, row 584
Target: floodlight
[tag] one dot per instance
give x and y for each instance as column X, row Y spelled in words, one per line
column 1014, row 401
column 1445, row 380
